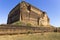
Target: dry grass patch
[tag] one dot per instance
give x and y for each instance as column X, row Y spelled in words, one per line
column 45, row 36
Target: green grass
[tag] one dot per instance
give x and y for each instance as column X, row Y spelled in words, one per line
column 45, row 36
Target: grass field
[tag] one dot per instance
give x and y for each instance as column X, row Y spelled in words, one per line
column 37, row 36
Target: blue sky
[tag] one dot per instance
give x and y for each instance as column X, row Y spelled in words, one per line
column 52, row 7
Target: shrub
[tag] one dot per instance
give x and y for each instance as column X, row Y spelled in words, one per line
column 55, row 30
column 28, row 24
column 29, row 32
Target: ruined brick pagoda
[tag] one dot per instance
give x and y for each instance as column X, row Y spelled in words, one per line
column 27, row 13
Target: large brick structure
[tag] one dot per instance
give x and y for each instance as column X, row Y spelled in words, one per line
column 27, row 13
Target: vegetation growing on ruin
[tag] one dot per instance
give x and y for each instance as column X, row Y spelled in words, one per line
column 18, row 23
column 21, row 23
